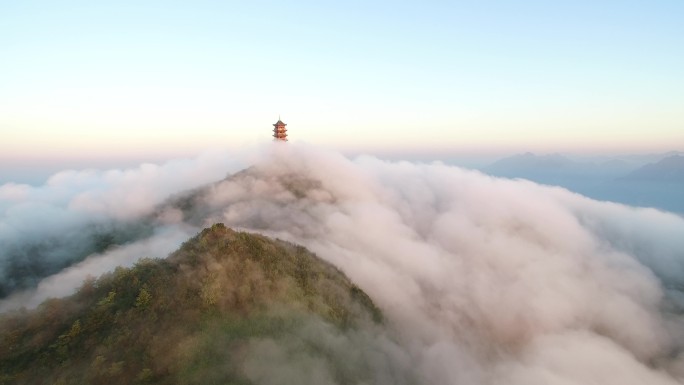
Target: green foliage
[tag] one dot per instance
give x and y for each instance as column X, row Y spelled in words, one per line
column 168, row 321
column 143, row 299
column 108, row 300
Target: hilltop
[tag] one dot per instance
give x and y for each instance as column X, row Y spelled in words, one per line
column 224, row 308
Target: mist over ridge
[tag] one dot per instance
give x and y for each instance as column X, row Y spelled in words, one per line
column 484, row 280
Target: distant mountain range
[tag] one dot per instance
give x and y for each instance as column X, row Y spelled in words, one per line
column 639, row 159
column 529, row 164
column 670, row 169
column 553, row 166
column 653, row 180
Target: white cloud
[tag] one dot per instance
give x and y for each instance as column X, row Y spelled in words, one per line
column 483, row 280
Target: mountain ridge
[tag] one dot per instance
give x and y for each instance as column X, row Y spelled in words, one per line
column 219, row 294
column 619, row 179
column 668, row 169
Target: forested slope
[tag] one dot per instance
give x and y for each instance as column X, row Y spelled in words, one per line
column 215, row 312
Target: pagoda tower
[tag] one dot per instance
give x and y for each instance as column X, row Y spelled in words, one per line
column 279, row 130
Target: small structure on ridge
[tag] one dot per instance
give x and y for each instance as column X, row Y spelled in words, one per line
column 279, row 130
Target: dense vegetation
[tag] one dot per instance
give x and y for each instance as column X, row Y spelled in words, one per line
column 192, row 318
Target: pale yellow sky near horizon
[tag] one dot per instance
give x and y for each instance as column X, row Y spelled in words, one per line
column 72, row 124
column 97, row 81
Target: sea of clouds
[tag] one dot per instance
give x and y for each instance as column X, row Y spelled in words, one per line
column 482, row 280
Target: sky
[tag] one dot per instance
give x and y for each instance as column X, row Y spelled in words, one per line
column 87, row 83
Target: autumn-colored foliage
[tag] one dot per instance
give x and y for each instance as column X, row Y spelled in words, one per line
column 176, row 320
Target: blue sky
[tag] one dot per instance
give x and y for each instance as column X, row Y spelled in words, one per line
column 92, row 80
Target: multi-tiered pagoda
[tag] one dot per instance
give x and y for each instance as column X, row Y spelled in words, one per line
column 279, row 131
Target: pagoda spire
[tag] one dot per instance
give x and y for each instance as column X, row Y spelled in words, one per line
column 279, row 130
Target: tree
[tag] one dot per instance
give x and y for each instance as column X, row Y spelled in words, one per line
column 143, row 299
